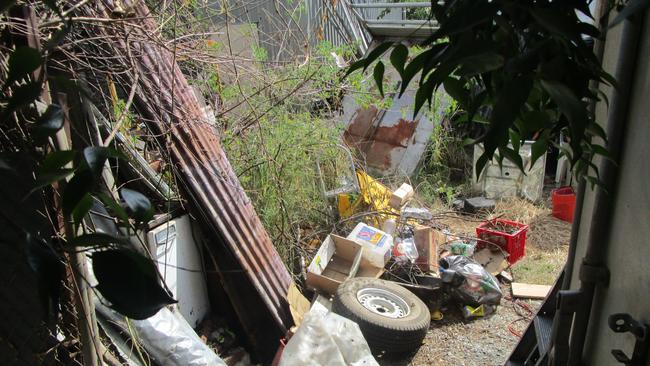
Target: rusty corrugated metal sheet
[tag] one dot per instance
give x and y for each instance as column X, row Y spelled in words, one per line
column 168, row 104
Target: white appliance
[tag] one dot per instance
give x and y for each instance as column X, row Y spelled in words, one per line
column 179, row 260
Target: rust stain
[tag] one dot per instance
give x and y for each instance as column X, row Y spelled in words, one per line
column 396, row 135
column 377, row 144
column 361, row 127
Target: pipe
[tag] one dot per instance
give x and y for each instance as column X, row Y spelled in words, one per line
column 600, row 228
column 599, row 51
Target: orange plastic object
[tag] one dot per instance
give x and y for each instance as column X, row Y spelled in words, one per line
column 564, row 203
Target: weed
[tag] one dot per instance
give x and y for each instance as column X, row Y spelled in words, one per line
column 444, row 168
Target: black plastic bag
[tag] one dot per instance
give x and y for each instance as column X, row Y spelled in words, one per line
column 469, row 282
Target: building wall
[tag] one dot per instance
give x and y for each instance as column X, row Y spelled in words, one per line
column 628, row 254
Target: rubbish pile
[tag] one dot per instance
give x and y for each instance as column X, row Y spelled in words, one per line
column 389, row 283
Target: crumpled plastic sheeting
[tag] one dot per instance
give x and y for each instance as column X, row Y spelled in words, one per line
column 472, row 285
column 169, row 339
column 327, row 339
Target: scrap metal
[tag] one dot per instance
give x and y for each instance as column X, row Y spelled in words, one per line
column 250, row 269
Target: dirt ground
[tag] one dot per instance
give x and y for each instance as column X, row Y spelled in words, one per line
column 489, row 341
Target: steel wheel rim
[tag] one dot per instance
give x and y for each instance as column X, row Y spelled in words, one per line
column 384, row 303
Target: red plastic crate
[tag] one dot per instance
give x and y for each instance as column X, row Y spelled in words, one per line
column 514, row 244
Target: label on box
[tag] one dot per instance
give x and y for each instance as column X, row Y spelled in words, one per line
column 371, row 236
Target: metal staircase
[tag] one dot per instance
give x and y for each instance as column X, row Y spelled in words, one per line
column 400, row 20
column 534, row 346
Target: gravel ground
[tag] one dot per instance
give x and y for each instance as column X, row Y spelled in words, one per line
column 481, row 342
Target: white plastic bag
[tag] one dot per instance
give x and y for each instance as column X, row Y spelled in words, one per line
column 327, row 339
column 168, row 338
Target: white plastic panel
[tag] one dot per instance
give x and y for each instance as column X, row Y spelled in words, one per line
column 179, row 262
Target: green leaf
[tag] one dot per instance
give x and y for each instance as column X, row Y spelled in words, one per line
column 601, row 96
column 597, row 130
column 534, row 121
column 511, row 98
column 556, row 22
column 22, row 62
column 588, row 29
column 398, row 57
column 632, row 7
column 81, row 209
column 52, row 169
column 465, row 19
column 596, row 182
column 515, row 140
column 368, row 60
column 355, row 66
column 138, row 204
column 57, row 160
column 44, row 179
column 96, row 156
column 480, row 164
column 96, row 239
column 76, row 189
column 566, row 100
column 114, row 207
column 478, row 64
column 422, row 95
column 129, row 282
column 23, row 95
column 538, row 149
column 564, row 151
column 378, row 74
column 48, row 124
column 600, row 150
column 417, row 64
column 513, row 156
column 456, row 89
column 607, row 78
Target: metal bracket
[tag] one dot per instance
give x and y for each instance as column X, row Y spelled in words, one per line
column 569, row 301
column 594, row 274
column 623, row 323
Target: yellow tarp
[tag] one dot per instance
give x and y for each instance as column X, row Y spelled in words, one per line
column 373, row 198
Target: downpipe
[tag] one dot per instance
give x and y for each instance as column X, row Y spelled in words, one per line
column 593, row 272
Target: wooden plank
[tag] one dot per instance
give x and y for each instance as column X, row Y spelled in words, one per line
column 528, row 291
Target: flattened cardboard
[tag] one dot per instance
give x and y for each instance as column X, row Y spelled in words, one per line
column 493, row 262
column 298, row 304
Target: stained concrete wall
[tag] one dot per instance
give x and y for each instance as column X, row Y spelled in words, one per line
column 628, row 256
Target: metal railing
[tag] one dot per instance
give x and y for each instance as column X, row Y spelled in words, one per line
column 398, row 20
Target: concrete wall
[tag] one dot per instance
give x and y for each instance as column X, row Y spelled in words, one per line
column 628, row 256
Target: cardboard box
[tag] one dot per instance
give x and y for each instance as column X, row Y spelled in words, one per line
column 425, row 242
column 337, row 260
column 401, row 196
column 377, row 244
